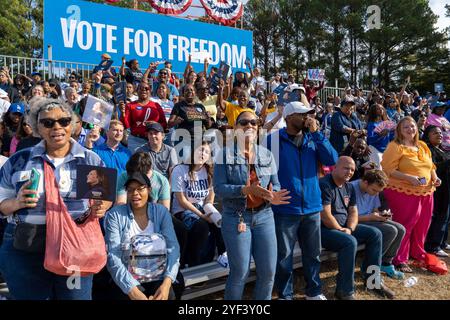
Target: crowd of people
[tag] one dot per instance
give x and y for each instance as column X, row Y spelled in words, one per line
column 358, row 168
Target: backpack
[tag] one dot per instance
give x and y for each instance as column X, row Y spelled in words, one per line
column 148, row 257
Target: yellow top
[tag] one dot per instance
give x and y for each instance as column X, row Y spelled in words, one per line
column 408, row 160
column 232, row 111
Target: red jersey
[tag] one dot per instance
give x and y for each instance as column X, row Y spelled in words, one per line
column 136, row 116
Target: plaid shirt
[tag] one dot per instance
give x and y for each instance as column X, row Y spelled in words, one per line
column 17, row 170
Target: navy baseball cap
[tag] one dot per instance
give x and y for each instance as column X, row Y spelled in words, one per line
column 154, row 126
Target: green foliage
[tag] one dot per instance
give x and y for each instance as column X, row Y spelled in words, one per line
column 333, row 35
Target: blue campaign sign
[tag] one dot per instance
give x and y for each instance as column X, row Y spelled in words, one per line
column 438, row 87
column 81, row 31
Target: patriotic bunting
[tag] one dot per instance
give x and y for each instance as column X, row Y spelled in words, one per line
column 226, row 12
column 170, row 6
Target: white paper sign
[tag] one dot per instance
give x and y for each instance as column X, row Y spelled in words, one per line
column 98, row 112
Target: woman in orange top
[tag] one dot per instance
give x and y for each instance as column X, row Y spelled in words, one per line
column 412, row 181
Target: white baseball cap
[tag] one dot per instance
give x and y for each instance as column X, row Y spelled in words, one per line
column 295, row 107
column 293, row 87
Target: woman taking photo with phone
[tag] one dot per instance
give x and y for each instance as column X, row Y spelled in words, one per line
column 408, row 163
column 247, row 182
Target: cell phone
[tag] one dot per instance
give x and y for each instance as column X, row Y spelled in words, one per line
column 34, row 178
column 423, row 181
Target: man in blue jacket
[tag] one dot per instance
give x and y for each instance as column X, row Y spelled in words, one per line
column 301, row 147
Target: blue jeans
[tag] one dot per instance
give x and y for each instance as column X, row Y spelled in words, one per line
column 305, row 229
column 259, row 241
column 345, row 245
column 28, row 280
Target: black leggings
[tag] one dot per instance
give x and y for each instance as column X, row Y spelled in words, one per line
column 197, row 251
column 182, row 237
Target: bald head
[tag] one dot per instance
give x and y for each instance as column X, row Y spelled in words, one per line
column 345, row 167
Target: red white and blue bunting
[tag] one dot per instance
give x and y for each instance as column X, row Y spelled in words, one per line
column 226, row 12
column 170, row 6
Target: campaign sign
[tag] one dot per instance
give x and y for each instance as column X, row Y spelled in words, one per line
column 98, row 112
column 81, row 31
column 96, row 183
column 438, row 87
column 316, row 74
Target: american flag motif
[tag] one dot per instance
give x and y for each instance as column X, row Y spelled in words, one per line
column 226, row 12
column 170, row 6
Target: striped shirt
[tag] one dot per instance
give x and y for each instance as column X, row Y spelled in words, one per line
column 17, row 170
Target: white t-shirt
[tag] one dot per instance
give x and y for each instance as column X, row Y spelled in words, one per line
column 167, row 106
column 195, row 191
column 135, row 229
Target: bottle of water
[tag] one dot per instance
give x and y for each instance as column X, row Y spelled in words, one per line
column 411, row 281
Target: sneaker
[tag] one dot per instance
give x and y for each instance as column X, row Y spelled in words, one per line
column 318, row 297
column 441, row 253
column 223, row 260
column 392, row 273
column 342, row 297
column 446, row 247
column 382, row 291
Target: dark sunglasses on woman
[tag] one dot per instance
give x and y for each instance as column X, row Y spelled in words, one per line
column 244, row 122
column 50, row 123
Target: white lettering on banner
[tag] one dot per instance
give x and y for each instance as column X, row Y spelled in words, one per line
column 127, row 40
column 213, row 48
column 225, row 53
column 68, row 33
column 155, row 45
column 80, row 35
column 183, row 47
column 110, row 38
column 144, row 43
column 171, row 45
column 98, row 34
column 141, row 43
column 239, row 57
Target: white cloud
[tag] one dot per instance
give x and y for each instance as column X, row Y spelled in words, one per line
column 438, row 7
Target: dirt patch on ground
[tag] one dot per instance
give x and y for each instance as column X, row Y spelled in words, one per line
column 429, row 287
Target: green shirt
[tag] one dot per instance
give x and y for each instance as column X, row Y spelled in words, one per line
column 160, row 186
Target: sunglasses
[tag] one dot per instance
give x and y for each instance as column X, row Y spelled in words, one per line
column 163, row 73
column 144, row 88
column 245, row 122
column 50, row 123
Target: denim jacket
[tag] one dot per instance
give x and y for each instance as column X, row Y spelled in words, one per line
column 118, row 221
column 232, row 175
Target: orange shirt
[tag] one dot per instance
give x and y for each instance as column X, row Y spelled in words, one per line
column 253, row 201
column 408, row 161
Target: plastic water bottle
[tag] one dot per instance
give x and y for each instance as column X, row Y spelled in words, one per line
column 411, row 281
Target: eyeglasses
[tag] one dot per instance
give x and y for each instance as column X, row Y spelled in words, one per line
column 144, row 88
column 163, row 73
column 245, row 122
column 140, row 189
column 50, row 123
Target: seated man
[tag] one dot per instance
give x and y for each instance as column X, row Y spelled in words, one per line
column 368, row 202
column 342, row 233
column 163, row 157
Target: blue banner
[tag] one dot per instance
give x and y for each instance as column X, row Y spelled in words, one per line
column 81, row 31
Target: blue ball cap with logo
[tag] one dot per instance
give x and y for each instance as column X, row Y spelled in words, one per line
column 17, row 108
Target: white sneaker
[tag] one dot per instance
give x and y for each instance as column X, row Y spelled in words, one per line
column 318, row 297
column 447, row 247
column 223, row 260
column 441, row 253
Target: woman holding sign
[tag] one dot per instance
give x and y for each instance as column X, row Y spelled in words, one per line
column 22, row 200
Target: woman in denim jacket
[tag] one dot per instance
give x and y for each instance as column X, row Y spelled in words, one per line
column 140, row 216
column 246, row 180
